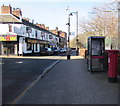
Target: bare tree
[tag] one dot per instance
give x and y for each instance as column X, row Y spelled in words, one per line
column 103, row 23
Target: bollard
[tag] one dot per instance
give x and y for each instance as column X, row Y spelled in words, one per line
column 68, row 56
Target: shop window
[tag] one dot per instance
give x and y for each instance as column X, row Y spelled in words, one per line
column 29, row 46
column 41, row 46
column 60, row 40
column 36, row 47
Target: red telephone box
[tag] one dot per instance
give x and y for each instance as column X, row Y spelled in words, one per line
column 96, row 53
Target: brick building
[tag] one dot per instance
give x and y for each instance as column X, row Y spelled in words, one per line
column 20, row 36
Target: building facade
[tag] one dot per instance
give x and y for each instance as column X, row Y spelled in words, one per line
column 19, row 36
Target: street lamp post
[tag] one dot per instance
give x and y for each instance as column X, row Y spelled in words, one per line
column 68, row 51
column 77, row 49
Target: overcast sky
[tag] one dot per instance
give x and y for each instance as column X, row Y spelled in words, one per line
column 54, row 14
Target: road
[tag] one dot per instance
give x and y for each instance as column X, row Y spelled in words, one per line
column 68, row 82
column 18, row 74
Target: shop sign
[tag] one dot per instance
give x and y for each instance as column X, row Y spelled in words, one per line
column 8, row 38
column 36, row 41
column 32, row 41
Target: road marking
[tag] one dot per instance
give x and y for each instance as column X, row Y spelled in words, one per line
column 19, row 62
column 1, row 63
column 30, row 86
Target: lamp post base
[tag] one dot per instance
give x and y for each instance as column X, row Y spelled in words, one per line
column 68, row 57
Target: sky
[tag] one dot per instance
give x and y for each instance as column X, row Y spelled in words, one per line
column 53, row 13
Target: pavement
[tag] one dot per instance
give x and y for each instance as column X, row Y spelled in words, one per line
column 69, row 82
column 43, row 57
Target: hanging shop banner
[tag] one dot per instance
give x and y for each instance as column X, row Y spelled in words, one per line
column 8, row 38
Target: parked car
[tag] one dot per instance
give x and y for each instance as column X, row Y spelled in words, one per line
column 55, row 50
column 46, row 51
column 64, row 50
column 61, row 50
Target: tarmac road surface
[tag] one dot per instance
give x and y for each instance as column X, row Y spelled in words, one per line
column 19, row 73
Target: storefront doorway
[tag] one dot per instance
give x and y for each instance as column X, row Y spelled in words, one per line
column 9, row 49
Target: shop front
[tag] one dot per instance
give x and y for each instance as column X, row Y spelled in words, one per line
column 35, row 45
column 52, row 44
column 9, row 44
column 61, row 45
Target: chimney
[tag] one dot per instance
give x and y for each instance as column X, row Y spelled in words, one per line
column 17, row 12
column 27, row 19
column 47, row 28
column 56, row 28
column 39, row 25
column 43, row 26
column 6, row 9
column 33, row 21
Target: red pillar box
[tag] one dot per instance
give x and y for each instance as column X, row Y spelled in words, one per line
column 112, row 65
column 119, row 63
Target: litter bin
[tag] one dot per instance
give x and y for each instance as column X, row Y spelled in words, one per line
column 112, row 65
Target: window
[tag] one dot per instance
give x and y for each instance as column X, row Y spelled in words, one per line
column 50, row 37
column 28, row 30
column 36, row 47
column 29, row 46
column 46, row 36
column 10, row 28
column 36, row 34
column 43, row 34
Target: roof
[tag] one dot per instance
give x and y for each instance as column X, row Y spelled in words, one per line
column 36, row 27
column 4, row 18
column 96, row 37
column 10, row 18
